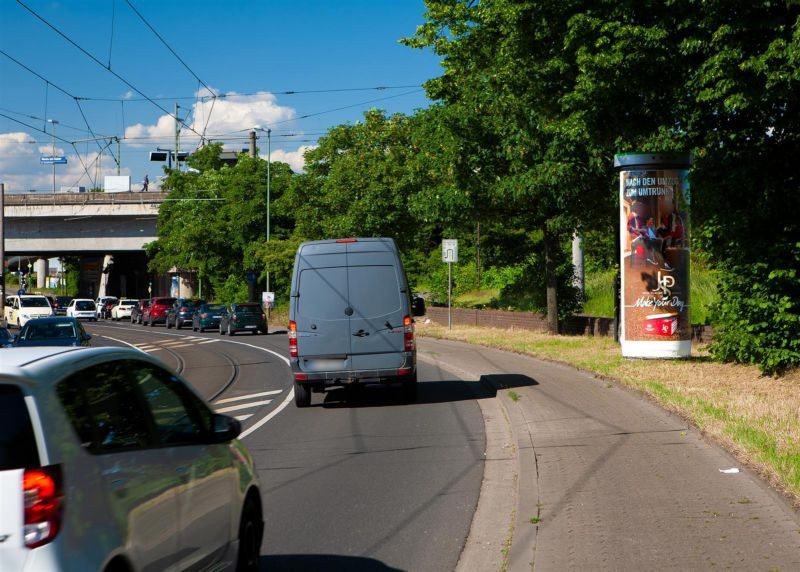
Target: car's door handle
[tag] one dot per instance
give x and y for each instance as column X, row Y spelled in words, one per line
column 361, row 333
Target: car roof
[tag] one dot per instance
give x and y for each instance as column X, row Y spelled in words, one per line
column 51, row 363
column 51, row 320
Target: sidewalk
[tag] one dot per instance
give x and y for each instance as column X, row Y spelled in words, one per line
column 584, row 474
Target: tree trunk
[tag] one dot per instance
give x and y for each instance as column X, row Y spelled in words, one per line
column 550, row 246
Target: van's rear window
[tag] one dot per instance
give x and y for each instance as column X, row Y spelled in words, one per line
column 17, row 441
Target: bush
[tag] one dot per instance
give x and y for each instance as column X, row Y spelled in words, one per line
column 758, row 317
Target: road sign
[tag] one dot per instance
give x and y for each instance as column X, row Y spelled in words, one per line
column 450, row 250
column 51, row 160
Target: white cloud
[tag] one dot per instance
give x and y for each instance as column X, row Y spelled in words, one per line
column 21, row 170
column 295, row 159
column 230, row 114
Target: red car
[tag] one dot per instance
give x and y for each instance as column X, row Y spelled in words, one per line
column 156, row 312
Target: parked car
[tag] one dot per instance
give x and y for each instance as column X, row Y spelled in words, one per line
column 60, row 304
column 54, row 331
column 123, row 309
column 243, row 317
column 110, row 461
column 20, row 309
column 181, row 312
column 156, row 312
column 82, row 309
column 103, row 309
column 138, row 310
column 207, row 316
column 350, row 317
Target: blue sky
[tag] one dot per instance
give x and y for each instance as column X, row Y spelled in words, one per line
column 249, row 53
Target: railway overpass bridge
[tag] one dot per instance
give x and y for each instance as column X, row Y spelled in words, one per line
column 97, row 228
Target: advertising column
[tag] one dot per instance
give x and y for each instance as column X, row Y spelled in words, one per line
column 654, row 201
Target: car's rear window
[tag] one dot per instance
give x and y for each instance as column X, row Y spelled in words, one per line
column 164, row 302
column 17, row 441
column 34, row 302
column 215, row 307
column 84, row 305
column 252, row 309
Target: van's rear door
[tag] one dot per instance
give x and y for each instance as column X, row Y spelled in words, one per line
column 374, row 288
column 321, row 311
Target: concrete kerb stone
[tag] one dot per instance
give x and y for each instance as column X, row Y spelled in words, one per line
column 490, row 542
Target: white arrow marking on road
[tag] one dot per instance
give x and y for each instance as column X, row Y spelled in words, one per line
column 250, row 396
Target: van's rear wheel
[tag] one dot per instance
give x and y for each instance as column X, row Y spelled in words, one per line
column 302, row 394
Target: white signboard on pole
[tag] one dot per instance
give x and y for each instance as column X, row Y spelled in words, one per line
column 450, row 250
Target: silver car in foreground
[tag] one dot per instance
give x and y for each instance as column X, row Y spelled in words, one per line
column 109, row 461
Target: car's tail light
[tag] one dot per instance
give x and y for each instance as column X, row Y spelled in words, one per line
column 408, row 334
column 43, row 494
column 292, row 338
column 263, row 316
column 405, row 371
column 300, row 377
column 204, row 315
column 340, row 240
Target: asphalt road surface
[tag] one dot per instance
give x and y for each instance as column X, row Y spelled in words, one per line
column 359, row 480
column 587, row 475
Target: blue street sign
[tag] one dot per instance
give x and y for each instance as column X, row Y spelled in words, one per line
column 53, row 160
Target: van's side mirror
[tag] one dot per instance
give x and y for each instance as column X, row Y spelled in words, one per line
column 418, row 306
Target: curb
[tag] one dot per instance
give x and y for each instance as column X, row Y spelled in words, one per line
column 491, row 543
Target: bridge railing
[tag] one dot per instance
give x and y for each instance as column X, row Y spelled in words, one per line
column 23, row 199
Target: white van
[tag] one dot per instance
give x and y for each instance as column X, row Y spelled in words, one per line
column 20, row 309
column 350, row 317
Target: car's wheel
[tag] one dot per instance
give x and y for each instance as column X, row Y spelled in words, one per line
column 250, row 532
column 410, row 389
column 302, row 394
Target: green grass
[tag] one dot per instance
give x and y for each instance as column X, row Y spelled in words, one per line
column 703, row 292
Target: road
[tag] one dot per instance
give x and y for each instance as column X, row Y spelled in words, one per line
column 359, row 480
column 586, row 474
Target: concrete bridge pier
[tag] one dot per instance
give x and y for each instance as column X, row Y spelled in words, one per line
column 41, row 269
column 108, row 263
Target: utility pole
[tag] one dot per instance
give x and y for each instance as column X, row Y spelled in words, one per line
column 177, row 138
column 53, row 122
column 253, row 144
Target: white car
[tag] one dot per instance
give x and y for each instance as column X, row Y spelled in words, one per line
column 20, row 309
column 82, row 309
column 109, row 461
column 123, row 309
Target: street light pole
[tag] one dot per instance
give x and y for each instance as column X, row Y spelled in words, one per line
column 269, row 161
column 53, row 122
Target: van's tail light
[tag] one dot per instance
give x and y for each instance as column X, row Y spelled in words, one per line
column 408, row 334
column 292, row 338
column 43, row 496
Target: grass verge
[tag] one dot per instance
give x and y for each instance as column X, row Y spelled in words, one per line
column 752, row 416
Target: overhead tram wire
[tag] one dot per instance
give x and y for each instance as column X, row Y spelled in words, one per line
column 48, row 83
column 166, row 45
column 108, row 69
column 174, row 53
column 235, row 95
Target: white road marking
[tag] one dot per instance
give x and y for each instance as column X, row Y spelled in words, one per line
column 250, row 396
column 243, row 406
column 258, row 424
column 243, row 417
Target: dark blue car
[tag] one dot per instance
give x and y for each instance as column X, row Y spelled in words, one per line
column 57, row 331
